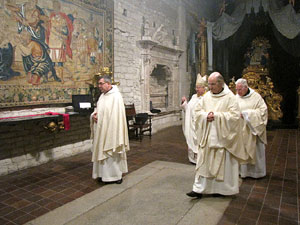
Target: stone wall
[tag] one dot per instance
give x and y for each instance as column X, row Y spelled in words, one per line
column 164, row 120
column 179, row 20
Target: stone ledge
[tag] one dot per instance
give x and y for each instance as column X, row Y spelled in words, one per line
column 19, row 119
column 29, row 118
column 165, row 113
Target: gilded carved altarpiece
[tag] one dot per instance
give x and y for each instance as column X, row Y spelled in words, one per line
column 50, row 50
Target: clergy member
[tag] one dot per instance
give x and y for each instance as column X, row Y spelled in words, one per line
column 254, row 113
column 220, row 145
column 109, row 134
column 188, row 125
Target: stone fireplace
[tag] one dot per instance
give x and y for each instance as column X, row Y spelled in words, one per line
column 159, row 81
column 160, row 76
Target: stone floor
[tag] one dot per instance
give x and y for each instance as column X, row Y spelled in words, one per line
column 30, row 193
column 152, row 194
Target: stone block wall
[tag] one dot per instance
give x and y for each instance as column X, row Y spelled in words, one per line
column 27, row 143
column 178, row 18
column 162, row 121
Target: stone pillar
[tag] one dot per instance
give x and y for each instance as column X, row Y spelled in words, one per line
column 183, row 29
column 145, row 82
column 176, row 85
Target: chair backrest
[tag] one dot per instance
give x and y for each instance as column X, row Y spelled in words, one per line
column 130, row 110
column 141, row 118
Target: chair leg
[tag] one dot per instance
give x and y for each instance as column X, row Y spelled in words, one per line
column 140, row 134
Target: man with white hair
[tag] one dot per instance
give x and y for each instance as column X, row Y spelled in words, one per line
column 220, row 145
column 254, row 113
column 188, row 125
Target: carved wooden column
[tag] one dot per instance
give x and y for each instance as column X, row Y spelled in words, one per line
column 298, row 116
column 202, row 39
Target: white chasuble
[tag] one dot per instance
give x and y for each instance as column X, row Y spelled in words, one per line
column 110, row 134
column 228, row 186
column 189, row 128
column 219, row 136
column 255, row 114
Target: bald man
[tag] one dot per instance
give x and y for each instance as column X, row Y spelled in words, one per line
column 220, row 147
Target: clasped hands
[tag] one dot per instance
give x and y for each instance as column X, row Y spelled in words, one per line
column 95, row 117
column 210, row 117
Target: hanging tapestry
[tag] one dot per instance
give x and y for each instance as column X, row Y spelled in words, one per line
column 51, row 50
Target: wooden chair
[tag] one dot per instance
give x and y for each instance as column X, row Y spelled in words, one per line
column 130, row 117
column 137, row 123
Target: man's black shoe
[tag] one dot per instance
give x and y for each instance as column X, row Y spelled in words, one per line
column 193, row 194
column 119, row 181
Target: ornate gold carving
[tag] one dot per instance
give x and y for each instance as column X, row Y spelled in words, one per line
column 257, row 75
column 93, row 83
column 231, row 85
column 55, row 126
column 103, row 71
column 273, row 101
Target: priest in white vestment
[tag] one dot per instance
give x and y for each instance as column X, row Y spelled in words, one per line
column 187, row 124
column 109, row 133
column 254, row 113
column 220, row 145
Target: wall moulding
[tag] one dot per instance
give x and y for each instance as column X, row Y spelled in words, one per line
column 149, row 45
